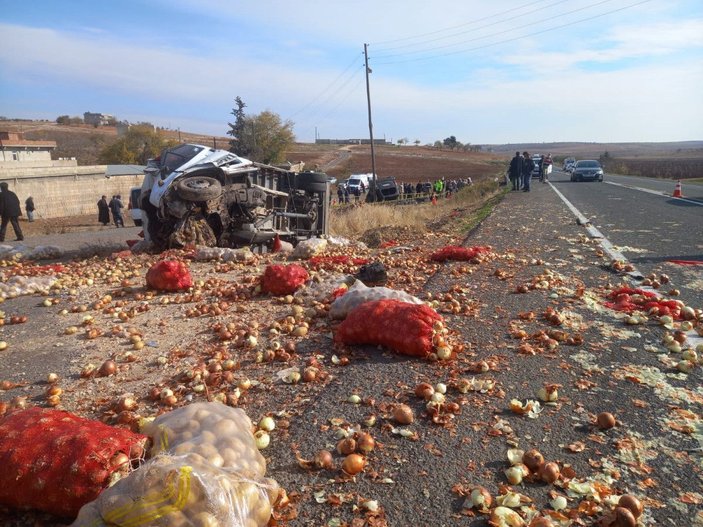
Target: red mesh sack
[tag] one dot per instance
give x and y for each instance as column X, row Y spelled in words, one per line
column 455, row 252
column 169, row 275
column 399, row 326
column 57, row 462
column 283, row 279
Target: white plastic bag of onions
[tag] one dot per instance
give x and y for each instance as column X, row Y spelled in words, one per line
column 182, row 491
column 359, row 294
column 205, row 470
column 309, row 248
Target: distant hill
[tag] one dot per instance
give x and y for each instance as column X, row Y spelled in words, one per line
column 595, row 150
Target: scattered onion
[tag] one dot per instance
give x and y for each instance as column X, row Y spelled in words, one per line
column 262, row 439
column 605, row 420
column 323, row 459
column 365, row 442
column 424, row 390
column 533, row 459
column 353, row 464
column 549, row 472
column 631, row 503
column 403, row 414
column 624, row 518
column 481, row 498
column 267, row 423
column 346, row 446
column 107, row 368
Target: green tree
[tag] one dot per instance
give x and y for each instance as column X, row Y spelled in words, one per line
column 236, row 129
column 267, row 138
column 451, row 142
column 417, row 142
column 140, row 143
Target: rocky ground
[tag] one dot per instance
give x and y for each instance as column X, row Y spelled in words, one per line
column 536, row 358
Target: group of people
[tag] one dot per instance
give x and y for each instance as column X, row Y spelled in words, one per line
column 344, row 193
column 114, row 207
column 521, row 167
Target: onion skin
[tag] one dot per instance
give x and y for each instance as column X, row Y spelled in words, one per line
column 542, row 522
column 631, row 503
column 403, row 414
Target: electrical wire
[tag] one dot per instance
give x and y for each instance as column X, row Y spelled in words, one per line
column 316, row 99
column 321, row 103
column 444, row 37
column 498, row 33
column 491, row 44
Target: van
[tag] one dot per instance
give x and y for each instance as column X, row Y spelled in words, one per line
column 133, row 206
column 355, row 181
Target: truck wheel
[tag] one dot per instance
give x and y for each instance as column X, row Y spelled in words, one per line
column 311, row 181
column 199, row 188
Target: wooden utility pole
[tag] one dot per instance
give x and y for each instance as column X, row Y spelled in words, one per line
column 368, row 101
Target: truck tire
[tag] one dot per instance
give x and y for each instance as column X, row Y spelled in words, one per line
column 199, row 188
column 312, row 181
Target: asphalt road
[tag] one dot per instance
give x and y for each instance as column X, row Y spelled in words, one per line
column 649, row 229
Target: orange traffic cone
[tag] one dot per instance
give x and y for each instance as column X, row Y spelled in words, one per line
column 677, row 190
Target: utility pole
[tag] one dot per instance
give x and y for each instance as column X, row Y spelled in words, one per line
column 368, row 100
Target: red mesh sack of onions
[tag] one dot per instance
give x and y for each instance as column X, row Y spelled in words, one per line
column 408, row 329
column 57, row 462
column 169, row 275
column 283, row 279
column 455, row 252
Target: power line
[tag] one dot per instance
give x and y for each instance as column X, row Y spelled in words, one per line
column 491, row 44
column 383, row 50
column 549, row 18
column 347, row 93
column 458, row 26
column 316, row 99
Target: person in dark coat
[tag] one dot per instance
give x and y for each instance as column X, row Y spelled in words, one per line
column 515, row 171
column 10, row 210
column 527, row 168
column 116, row 207
column 29, row 207
column 103, row 211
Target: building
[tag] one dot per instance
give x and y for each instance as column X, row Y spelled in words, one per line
column 351, row 142
column 98, row 119
column 14, row 148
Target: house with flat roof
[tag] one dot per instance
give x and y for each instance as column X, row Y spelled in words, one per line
column 15, row 148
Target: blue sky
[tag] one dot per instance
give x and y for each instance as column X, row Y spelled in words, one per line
column 505, row 71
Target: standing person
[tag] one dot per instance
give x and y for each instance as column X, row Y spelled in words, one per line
column 547, row 167
column 116, row 207
column 515, row 171
column 10, row 210
column 29, row 207
column 527, row 167
column 103, row 211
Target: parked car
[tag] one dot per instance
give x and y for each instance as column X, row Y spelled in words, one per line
column 196, row 194
column 568, row 164
column 386, row 190
column 587, row 169
column 536, row 159
column 134, row 206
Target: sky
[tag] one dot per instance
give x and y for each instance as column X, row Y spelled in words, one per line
column 506, row 71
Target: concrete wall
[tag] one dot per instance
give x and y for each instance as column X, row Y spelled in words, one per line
column 62, row 191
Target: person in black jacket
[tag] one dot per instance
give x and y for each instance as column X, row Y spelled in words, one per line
column 527, row 167
column 515, row 171
column 10, row 210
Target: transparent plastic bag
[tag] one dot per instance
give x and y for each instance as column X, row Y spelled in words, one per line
column 221, row 434
column 309, row 248
column 182, row 491
column 359, row 294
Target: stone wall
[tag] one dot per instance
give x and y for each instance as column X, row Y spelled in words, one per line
column 64, row 191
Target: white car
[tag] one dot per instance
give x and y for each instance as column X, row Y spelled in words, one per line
column 133, row 206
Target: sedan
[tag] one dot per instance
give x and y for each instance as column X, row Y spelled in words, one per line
column 587, row 169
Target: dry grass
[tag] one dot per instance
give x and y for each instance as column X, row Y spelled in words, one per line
column 352, row 222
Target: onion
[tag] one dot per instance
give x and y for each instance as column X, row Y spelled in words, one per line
column 88, row 370
column 126, row 403
column 549, row 472
column 353, row 464
column 52, row 378
column 346, row 446
column 506, row 517
column 631, row 503
column 119, row 460
column 107, row 368
column 403, row 414
column 481, row 498
column 267, row 424
column 533, row 459
column 365, row 442
column 323, row 459
column 624, row 518
column 514, row 475
column 53, row 400
column 262, row 439
column 54, row 390
column 542, row 522
column 424, row 390
column 605, row 420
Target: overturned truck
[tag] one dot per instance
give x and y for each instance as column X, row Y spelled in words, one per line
column 193, row 194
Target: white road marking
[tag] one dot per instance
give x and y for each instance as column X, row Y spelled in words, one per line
column 635, row 276
column 655, row 192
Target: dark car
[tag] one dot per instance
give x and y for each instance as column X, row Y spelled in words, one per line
column 586, row 169
column 386, row 190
